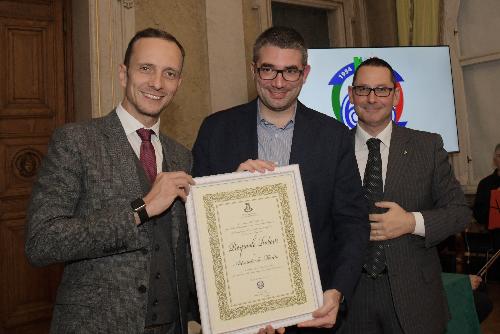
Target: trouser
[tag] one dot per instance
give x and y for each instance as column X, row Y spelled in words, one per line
column 372, row 309
column 171, row 328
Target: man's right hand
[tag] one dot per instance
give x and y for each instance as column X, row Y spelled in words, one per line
column 256, row 165
column 166, row 188
column 326, row 315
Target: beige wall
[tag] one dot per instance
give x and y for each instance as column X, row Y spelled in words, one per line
column 101, row 31
column 81, row 60
column 226, row 54
column 218, row 36
column 381, row 22
column 255, row 20
column 186, row 20
column 479, row 54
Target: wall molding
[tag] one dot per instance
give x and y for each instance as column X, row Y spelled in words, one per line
column 111, row 26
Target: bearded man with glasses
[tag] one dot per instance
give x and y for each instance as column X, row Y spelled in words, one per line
column 415, row 203
column 276, row 130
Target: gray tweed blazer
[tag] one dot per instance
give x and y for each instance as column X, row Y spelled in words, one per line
column 80, row 215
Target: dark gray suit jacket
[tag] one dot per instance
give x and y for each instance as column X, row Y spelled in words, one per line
column 420, row 179
column 80, row 215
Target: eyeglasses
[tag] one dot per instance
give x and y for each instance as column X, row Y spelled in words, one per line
column 269, row 73
column 379, row 91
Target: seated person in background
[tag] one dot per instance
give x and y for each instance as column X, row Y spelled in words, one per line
column 482, row 302
column 482, row 202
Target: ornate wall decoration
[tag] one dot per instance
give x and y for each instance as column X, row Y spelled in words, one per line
column 127, row 3
column 26, row 163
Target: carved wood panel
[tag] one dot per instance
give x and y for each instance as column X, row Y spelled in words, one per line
column 35, row 97
column 28, row 68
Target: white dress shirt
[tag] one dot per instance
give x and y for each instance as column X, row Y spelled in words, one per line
column 131, row 125
column 361, row 151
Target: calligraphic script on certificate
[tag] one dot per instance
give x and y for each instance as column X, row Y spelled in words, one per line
column 253, row 253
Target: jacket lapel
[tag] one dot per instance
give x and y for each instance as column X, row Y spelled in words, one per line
column 121, row 154
column 170, row 164
column 246, row 133
column 302, row 138
column 397, row 161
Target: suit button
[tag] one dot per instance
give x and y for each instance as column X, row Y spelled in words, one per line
column 157, row 247
column 154, row 317
column 142, row 289
column 155, row 302
column 144, row 251
column 157, row 275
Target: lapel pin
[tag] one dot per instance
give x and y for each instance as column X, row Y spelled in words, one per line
column 405, row 152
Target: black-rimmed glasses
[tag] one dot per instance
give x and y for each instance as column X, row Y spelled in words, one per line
column 379, row 91
column 269, row 73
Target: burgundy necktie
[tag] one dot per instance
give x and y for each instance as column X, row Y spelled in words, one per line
column 148, row 157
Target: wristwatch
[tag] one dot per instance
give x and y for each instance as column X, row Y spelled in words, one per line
column 139, row 207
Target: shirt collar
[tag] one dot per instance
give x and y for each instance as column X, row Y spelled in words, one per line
column 362, row 136
column 131, row 124
column 262, row 120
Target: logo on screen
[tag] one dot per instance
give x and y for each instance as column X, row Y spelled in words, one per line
column 342, row 107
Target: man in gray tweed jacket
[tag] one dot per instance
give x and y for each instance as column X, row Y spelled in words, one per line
column 120, row 231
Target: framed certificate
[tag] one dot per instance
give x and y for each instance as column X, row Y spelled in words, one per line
column 253, row 253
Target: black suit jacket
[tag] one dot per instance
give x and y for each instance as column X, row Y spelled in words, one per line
column 323, row 150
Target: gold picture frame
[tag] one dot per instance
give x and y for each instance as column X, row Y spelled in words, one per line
column 253, row 254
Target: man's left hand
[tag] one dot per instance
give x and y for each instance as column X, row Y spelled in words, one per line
column 326, row 315
column 392, row 224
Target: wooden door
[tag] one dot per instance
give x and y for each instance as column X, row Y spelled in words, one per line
column 35, row 97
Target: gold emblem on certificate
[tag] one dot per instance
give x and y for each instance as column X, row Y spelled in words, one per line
column 252, row 251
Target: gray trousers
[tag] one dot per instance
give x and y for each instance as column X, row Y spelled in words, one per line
column 372, row 310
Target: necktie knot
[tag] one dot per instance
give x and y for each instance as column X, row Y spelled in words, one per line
column 373, row 144
column 145, row 134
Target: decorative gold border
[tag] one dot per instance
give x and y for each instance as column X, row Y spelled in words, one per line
column 226, row 310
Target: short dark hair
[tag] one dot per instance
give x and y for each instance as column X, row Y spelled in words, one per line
column 376, row 62
column 282, row 37
column 151, row 33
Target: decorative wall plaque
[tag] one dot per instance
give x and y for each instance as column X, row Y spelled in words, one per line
column 26, row 163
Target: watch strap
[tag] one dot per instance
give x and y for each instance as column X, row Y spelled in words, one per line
column 139, row 207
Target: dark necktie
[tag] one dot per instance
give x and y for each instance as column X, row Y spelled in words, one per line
column 374, row 192
column 148, row 157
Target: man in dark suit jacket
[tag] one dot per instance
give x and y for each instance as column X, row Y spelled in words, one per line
column 276, row 129
column 422, row 204
column 109, row 205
